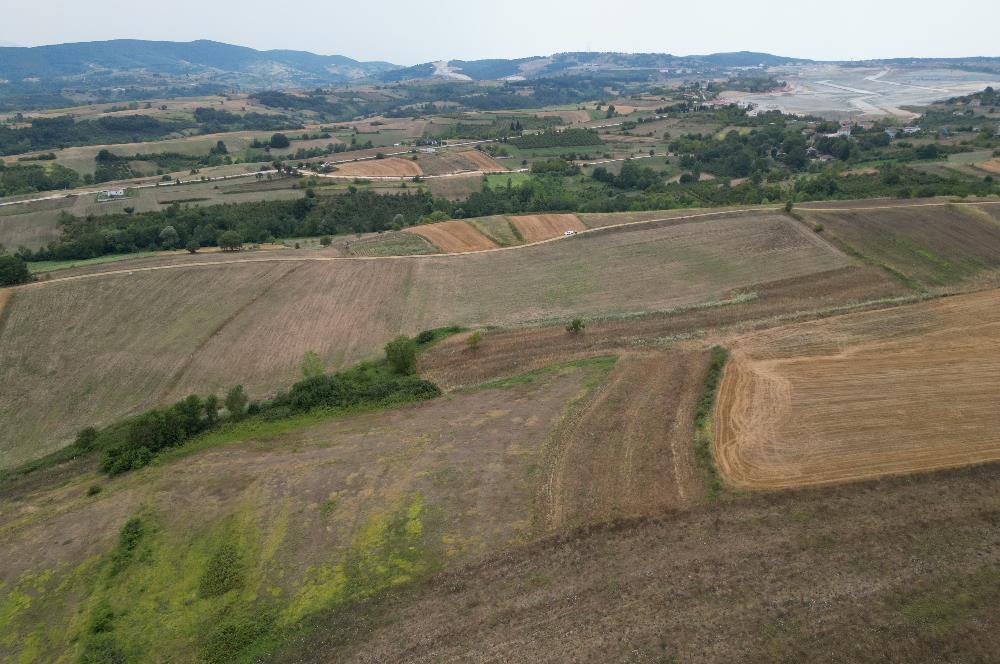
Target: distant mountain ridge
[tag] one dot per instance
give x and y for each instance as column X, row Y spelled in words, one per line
column 198, row 61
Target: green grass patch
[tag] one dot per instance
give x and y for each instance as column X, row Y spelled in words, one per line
column 39, row 267
column 597, row 367
column 703, row 420
column 499, row 180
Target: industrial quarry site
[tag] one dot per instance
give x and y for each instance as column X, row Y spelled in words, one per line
column 583, row 357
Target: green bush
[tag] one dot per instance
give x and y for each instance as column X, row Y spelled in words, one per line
column 401, row 353
column 13, row 271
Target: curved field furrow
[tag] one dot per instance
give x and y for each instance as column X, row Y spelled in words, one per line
column 626, row 450
column 863, row 395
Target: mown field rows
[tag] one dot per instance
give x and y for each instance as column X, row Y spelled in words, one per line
column 909, row 389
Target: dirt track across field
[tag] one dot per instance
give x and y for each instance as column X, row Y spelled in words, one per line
column 858, row 396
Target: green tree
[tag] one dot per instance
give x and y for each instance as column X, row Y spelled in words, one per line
column 192, row 246
column 326, row 240
column 13, row 271
column 169, row 238
column 279, row 141
column 236, row 402
column 231, row 241
column 474, row 339
column 575, row 326
column 402, row 355
column 311, row 365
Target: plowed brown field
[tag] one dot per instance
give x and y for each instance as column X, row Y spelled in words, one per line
column 626, row 449
column 911, row 389
column 482, row 161
column 538, row 227
column 388, row 167
column 453, row 237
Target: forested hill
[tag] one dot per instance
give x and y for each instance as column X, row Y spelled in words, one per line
column 201, row 60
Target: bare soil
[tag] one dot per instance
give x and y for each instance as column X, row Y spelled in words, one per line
column 452, row 237
column 388, row 167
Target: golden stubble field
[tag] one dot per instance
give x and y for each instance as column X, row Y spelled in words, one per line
column 909, row 389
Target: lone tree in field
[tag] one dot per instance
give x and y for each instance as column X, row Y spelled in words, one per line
column 230, row 241
column 279, row 141
column 575, row 326
column 402, row 355
column 236, row 402
column 474, row 339
column 13, row 271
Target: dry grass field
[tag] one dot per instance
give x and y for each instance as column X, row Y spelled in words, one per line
column 223, row 323
column 909, row 389
column 932, row 245
column 388, row 167
column 890, row 571
column 537, row 227
column 508, row 352
column 322, row 514
column 453, row 237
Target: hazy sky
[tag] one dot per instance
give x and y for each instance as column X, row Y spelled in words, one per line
column 417, row 31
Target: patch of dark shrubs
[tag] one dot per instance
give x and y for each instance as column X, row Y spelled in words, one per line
column 134, row 443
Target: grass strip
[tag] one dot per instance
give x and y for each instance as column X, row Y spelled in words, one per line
column 703, row 420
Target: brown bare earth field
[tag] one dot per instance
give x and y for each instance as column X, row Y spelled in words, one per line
column 227, row 321
column 453, row 237
column 388, row 167
column 482, row 161
column 537, row 227
column 504, row 353
column 991, row 166
column 625, row 450
column 910, row 389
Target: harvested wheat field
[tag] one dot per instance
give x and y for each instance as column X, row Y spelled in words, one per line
column 453, row 237
column 910, row 389
column 388, row 167
column 537, row 227
column 482, row 161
